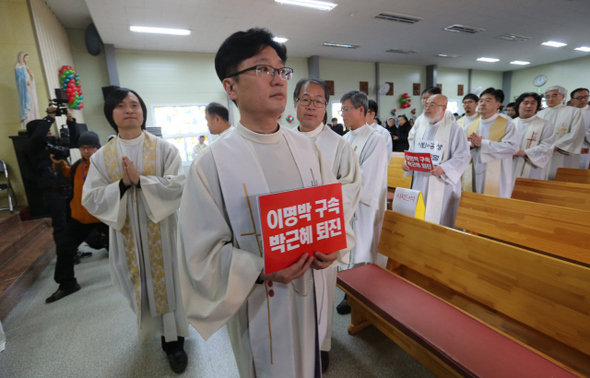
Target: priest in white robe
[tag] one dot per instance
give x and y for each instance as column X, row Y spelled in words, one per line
column 217, row 117
column 311, row 98
column 370, row 120
column 494, row 141
column 271, row 318
column 536, row 136
column 441, row 187
column 370, row 148
column 569, row 129
column 134, row 185
column 470, row 101
column 421, row 120
column 579, row 98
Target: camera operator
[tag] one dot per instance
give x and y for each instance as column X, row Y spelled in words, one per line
column 54, row 186
column 81, row 224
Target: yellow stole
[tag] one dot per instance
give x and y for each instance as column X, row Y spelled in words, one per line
column 154, row 235
column 493, row 169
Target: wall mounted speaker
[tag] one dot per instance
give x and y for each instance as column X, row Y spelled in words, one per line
column 93, row 41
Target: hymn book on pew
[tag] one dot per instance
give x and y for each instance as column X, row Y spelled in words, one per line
column 301, row 221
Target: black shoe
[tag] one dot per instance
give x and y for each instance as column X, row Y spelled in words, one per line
column 325, row 360
column 60, row 293
column 178, row 361
column 343, row 308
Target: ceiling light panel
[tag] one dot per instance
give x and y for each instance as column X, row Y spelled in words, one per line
column 320, row 5
column 554, row 44
column 147, row 29
column 488, row 60
column 280, row 39
column 583, row 48
column 520, row 63
column 453, row 56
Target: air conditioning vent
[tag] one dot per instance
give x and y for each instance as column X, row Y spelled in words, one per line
column 453, row 56
column 398, row 51
column 343, row 45
column 463, row 29
column 398, row 18
column 514, row 38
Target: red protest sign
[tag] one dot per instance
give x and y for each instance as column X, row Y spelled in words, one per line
column 418, row 161
column 301, row 221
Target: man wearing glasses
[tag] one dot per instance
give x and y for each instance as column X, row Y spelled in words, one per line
column 369, row 146
column 470, row 106
column 569, row 129
column 311, row 97
column 270, row 318
column 580, row 100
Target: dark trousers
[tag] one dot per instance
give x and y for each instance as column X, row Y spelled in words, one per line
column 57, row 207
column 74, row 234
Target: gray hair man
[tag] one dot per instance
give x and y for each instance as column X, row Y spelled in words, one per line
column 569, row 129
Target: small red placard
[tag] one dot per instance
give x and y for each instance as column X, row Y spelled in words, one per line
column 301, row 221
column 418, row 161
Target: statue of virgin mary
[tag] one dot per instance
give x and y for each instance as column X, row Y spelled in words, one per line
column 27, row 93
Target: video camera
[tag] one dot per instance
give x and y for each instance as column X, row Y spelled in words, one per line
column 60, row 107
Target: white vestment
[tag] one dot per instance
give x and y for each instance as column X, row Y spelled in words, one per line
column 585, row 157
column 387, row 136
column 272, row 326
column 454, row 162
column 370, row 148
column 137, row 220
column 422, row 120
column 338, row 154
column 537, row 139
column 492, row 151
column 569, row 130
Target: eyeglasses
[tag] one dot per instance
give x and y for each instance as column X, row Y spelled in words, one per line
column 264, row 70
column 431, row 105
column 555, row 95
column 582, row 97
column 344, row 110
column 468, row 102
column 316, row 103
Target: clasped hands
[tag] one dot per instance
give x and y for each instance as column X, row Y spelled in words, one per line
column 475, row 140
column 130, row 174
column 298, row 269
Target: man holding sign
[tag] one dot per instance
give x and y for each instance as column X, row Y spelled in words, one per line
column 448, row 148
column 270, row 318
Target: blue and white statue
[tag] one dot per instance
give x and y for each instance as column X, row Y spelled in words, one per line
column 27, row 93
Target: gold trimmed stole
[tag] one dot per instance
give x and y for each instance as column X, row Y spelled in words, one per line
column 153, row 229
column 493, row 168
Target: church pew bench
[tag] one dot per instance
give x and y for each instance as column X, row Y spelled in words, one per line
column 567, row 194
column 556, row 230
column 581, row 176
column 538, row 304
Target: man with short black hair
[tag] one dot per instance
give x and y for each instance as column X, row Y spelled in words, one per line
column 493, row 143
column 536, row 139
column 338, row 128
column 470, row 101
column 217, row 117
column 569, row 129
column 311, row 98
column 580, row 100
column 270, row 318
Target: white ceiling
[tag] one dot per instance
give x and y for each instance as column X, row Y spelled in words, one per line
column 353, row 22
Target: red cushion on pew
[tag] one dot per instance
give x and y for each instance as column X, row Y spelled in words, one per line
column 465, row 344
column 390, row 197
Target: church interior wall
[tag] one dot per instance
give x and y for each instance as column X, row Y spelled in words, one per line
column 403, row 78
column 571, row 74
column 16, row 34
column 485, row 79
column 451, row 78
column 93, row 76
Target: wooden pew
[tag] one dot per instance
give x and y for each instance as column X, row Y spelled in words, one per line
column 567, row 194
column 581, row 176
column 556, row 230
column 536, row 301
column 395, row 173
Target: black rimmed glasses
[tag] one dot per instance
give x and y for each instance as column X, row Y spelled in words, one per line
column 264, row 70
column 316, row 103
